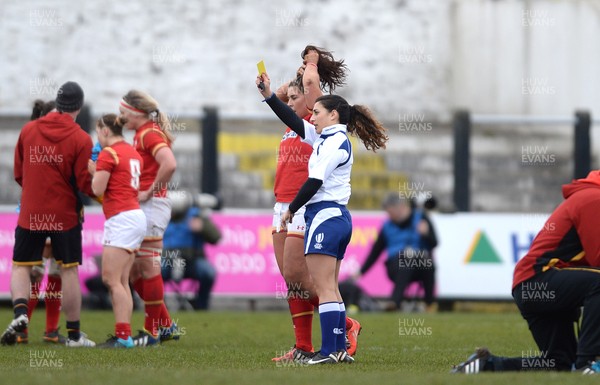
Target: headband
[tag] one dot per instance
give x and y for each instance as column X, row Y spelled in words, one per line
column 124, row 104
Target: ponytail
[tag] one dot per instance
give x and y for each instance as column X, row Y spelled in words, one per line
column 162, row 121
column 146, row 104
column 114, row 123
column 41, row 108
column 363, row 124
column 359, row 120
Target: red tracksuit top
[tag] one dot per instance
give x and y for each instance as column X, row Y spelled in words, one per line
column 570, row 236
column 51, row 158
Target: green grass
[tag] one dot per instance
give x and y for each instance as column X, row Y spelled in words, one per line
column 236, row 348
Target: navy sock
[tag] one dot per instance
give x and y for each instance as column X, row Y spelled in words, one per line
column 73, row 330
column 20, row 306
column 340, row 342
column 329, row 314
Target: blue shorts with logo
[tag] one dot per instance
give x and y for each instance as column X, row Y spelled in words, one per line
column 328, row 229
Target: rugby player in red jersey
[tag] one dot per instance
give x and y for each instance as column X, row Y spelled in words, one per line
column 116, row 177
column 152, row 141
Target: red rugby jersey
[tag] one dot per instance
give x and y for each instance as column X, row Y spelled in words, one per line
column 148, row 139
column 124, row 164
column 569, row 237
column 292, row 165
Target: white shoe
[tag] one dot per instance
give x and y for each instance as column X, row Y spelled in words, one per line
column 82, row 342
column 17, row 325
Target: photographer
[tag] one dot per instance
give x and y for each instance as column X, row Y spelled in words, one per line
column 409, row 238
column 184, row 239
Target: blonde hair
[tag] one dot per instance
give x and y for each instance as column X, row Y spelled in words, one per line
column 148, row 105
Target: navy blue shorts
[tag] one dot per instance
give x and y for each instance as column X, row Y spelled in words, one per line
column 328, row 229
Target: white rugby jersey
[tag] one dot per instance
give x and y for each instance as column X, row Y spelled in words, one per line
column 331, row 161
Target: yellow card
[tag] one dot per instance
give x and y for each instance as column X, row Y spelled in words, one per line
column 261, row 67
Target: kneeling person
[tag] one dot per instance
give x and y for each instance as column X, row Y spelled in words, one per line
column 559, row 275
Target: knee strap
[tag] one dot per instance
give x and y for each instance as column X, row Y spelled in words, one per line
column 149, row 252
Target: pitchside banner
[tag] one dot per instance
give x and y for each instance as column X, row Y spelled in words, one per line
column 475, row 258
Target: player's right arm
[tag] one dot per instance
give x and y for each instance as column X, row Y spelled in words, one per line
column 99, row 182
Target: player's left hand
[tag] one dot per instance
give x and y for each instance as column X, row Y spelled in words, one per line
column 286, row 218
column 143, row 196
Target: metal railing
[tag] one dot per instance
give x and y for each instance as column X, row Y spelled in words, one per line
column 462, row 124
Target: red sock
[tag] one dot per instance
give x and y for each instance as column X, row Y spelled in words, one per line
column 314, row 301
column 138, row 286
column 153, row 299
column 165, row 317
column 348, row 323
column 302, row 315
column 53, row 302
column 123, row 330
column 34, row 295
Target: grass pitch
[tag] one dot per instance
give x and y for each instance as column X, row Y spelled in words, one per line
column 237, row 347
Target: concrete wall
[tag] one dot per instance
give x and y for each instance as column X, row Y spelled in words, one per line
column 194, row 53
column 425, row 56
column 410, row 60
column 530, row 57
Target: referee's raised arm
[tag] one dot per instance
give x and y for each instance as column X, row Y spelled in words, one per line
column 283, row 112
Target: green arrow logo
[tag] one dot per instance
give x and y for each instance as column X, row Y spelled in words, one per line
column 482, row 250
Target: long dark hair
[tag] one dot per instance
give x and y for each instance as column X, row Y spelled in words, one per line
column 331, row 72
column 41, row 108
column 360, row 121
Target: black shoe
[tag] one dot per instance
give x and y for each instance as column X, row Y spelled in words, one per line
column 318, row 358
column 145, row 339
column 343, row 356
column 116, row 342
column 17, row 325
column 475, row 363
column 592, row 368
column 54, row 337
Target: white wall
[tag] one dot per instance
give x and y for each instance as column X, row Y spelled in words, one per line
column 207, row 50
column 547, row 46
column 426, row 56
